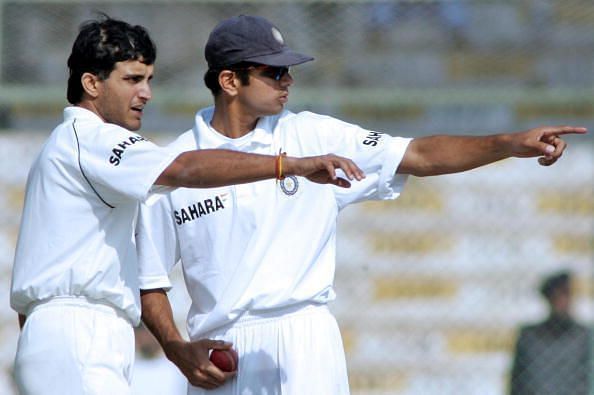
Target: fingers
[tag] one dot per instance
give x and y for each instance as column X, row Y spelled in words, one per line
column 214, row 374
column 204, row 379
column 545, row 141
column 217, row 344
column 329, row 165
column 350, row 169
column 210, row 384
column 545, row 148
column 229, row 375
column 552, row 148
column 197, row 367
column 562, row 130
column 208, row 376
column 341, row 182
column 325, row 172
column 322, row 177
column 546, row 161
column 322, row 169
column 559, row 145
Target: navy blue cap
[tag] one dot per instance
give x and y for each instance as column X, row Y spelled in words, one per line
column 246, row 38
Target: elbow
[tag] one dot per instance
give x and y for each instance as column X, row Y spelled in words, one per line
column 182, row 172
column 415, row 162
column 417, row 170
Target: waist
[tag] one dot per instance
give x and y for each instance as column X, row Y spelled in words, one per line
column 80, row 302
column 262, row 316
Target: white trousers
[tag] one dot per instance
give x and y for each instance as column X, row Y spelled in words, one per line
column 70, row 345
column 285, row 352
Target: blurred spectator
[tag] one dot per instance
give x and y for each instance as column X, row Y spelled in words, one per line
column 553, row 357
column 154, row 374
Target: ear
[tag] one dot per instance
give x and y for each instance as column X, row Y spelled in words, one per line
column 91, row 84
column 229, row 82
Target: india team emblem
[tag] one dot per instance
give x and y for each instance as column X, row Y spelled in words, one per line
column 289, row 185
column 278, row 36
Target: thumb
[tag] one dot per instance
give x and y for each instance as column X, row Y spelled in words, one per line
column 217, row 344
column 341, row 182
column 544, row 148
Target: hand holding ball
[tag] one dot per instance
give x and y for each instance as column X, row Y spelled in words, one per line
column 226, row 360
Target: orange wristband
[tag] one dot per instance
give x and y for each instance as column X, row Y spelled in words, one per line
column 278, row 165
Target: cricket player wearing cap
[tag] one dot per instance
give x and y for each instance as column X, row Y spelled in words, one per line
column 259, row 258
column 75, row 275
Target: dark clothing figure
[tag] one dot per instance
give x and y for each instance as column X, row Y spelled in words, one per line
column 554, row 356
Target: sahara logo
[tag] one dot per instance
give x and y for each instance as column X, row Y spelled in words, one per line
column 119, row 149
column 373, row 138
column 199, row 209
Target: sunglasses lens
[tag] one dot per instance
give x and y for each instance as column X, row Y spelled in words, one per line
column 279, row 72
column 275, row 73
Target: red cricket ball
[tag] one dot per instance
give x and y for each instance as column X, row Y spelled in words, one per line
column 226, row 360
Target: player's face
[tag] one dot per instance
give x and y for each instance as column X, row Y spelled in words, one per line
column 561, row 301
column 124, row 94
column 267, row 92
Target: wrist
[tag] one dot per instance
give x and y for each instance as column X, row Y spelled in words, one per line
column 170, row 340
column 290, row 165
column 172, row 349
column 279, row 169
column 501, row 145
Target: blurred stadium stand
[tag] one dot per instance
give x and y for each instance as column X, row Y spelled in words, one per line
column 431, row 288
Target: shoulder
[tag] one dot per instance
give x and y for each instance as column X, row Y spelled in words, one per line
column 308, row 116
column 184, row 142
column 309, row 122
column 531, row 329
column 95, row 135
column 581, row 329
column 87, row 125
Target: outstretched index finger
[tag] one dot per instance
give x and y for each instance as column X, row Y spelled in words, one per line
column 562, row 130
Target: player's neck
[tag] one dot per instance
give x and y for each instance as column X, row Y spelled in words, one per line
column 90, row 105
column 231, row 123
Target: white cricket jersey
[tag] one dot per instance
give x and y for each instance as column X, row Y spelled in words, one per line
column 81, row 203
column 269, row 244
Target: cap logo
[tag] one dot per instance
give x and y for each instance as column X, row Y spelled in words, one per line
column 277, row 35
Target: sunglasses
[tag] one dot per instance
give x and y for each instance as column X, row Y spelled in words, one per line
column 274, row 72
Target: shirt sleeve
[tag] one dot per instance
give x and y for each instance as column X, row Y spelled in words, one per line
column 122, row 161
column 156, row 244
column 377, row 154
